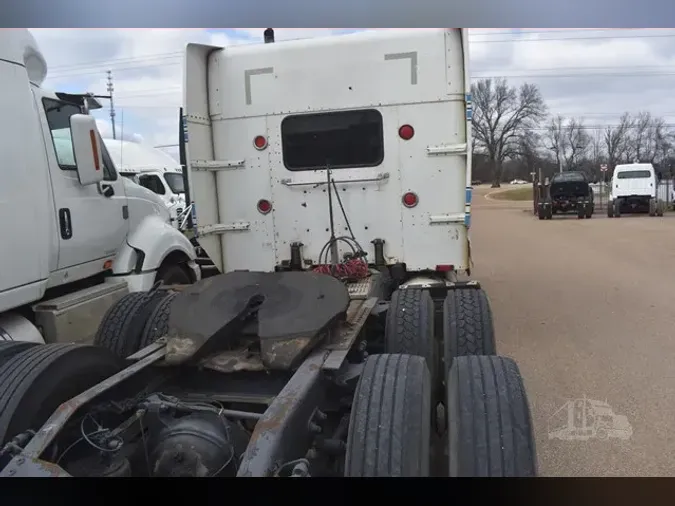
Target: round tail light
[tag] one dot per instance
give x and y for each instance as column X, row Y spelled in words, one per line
column 264, row 206
column 260, row 142
column 410, row 199
column 406, row 132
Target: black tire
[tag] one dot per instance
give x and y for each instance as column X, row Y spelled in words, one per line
column 121, row 327
column 173, row 275
column 468, row 328
column 489, row 427
column 541, row 212
column 590, row 208
column 610, row 209
column 10, row 348
column 581, row 211
column 617, row 208
column 390, row 420
column 158, row 323
column 409, row 328
column 549, row 212
column 38, row 380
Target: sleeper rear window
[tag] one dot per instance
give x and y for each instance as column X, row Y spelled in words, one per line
column 341, row 140
column 634, row 174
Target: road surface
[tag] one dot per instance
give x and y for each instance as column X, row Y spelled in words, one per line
column 586, row 309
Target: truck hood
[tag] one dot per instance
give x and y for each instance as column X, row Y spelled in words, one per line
column 143, row 202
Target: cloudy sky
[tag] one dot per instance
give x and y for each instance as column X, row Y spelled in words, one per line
column 595, row 74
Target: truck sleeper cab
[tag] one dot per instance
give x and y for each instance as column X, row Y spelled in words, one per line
column 392, row 128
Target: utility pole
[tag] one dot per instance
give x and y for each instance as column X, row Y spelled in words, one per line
column 112, row 103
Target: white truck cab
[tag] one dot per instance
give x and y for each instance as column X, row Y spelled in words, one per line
column 268, row 124
column 153, row 169
column 76, row 235
column 634, row 188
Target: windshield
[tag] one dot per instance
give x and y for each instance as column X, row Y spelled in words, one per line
column 175, row 181
column 130, row 175
column 576, row 177
column 634, row 174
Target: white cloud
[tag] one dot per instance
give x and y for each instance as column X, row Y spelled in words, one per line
column 147, row 69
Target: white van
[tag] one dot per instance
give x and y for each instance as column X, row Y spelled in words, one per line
column 153, row 169
column 634, row 188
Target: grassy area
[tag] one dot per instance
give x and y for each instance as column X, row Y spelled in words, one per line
column 519, row 193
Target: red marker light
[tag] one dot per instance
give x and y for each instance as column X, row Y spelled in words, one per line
column 260, row 142
column 264, row 206
column 406, row 132
column 410, row 199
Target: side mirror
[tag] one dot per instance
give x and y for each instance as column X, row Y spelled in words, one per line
column 87, row 148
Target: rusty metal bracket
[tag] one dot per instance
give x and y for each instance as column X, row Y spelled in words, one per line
column 44, row 437
column 357, row 314
column 283, row 433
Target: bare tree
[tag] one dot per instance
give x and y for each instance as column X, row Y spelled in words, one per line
column 656, row 136
column 501, row 112
column 577, row 143
column 526, row 149
column 615, row 138
column 642, row 137
column 555, row 138
column 596, row 155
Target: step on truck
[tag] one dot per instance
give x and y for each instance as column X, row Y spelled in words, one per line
column 76, row 237
column 330, row 182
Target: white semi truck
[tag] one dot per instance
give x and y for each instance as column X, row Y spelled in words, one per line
column 76, row 237
column 305, row 357
column 152, row 169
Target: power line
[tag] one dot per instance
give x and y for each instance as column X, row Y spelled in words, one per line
column 153, row 56
column 588, row 127
column 65, row 70
column 97, row 63
column 575, row 75
column 560, row 39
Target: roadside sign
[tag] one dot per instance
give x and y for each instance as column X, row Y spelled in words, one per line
column 603, row 167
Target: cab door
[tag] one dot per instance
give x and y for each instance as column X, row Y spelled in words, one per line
column 92, row 220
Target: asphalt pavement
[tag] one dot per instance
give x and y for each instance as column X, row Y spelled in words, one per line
column 585, row 307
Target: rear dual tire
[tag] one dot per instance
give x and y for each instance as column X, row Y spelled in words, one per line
column 36, row 381
column 545, row 212
column 134, row 322
column 490, row 428
column 490, row 432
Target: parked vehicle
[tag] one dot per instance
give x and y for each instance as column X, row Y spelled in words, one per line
column 567, row 192
column 634, row 189
column 311, row 350
column 80, row 237
column 153, row 169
